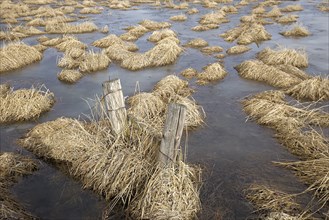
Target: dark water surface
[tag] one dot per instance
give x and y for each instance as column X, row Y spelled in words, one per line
column 233, row 152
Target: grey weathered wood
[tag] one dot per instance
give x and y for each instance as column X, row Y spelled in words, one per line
column 172, row 133
column 115, row 105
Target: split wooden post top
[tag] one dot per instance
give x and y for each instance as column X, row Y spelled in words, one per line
column 172, row 133
column 115, row 104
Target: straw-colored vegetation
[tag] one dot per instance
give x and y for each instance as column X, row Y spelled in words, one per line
column 113, row 39
column 220, row 56
column 290, row 8
column 274, row 13
column 189, row 73
column 238, row 49
column 135, row 32
column 205, row 27
column 154, row 25
column 13, row 166
column 68, row 42
column 192, row 11
column 197, row 43
column 93, row 62
column 287, row 19
column 211, row 49
column 41, row 48
column 297, row 58
column 247, row 33
column 316, row 88
column 324, row 6
column 17, row 55
column 217, row 17
column 178, row 18
column 24, row 104
column 296, row 31
column 64, row 28
column 211, row 73
column 90, row 11
column 104, row 29
column 161, row 34
column 69, row 76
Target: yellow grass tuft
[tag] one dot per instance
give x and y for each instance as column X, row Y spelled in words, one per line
column 161, row 34
column 297, row 58
column 91, row 11
column 287, row 19
column 205, row 27
column 192, row 11
column 290, row 8
column 93, row 62
column 17, row 55
column 189, row 73
column 64, row 28
column 25, row 104
column 112, row 39
column 274, row 13
column 212, row 49
column 296, row 31
column 69, row 76
column 196, row 43
column 153, row 25
column 212, row 72
column 178, row 18
column 238, row 49
column 217, row 17
column 104, row 29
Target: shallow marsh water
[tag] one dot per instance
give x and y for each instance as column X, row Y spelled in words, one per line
column 234, row 153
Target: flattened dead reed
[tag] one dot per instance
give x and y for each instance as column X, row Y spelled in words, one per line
column 69, row 76
column 196, row 43
column 296, row 31
column 64, row 28
column 178, row 18
column 17, row 55
column 294, row 57
column 287, row 19
column 154, row 25
column 113, row 39
column 161, row 34
column 189, row 73
column 290, row 8
column 211, row 73
column 205, row 27
column 93, row 62
column 238, row 49
column 25, row 104
column 315, row 89
column 212, row 49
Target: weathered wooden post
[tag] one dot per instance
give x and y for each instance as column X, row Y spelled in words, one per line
column 115, row 104
column 172, row 133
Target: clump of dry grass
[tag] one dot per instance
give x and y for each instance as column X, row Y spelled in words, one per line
column 297, row 58
column 287, row 19
column 11, row 36
column 136, row 62
column 178, row 18
column 36, row 22
column 192, row 11
column 134, row 33
column 238, row 49
column 212, row 72
column 258, row 10
column 205, row 27
column 161, row 34
column 17, row 55
column 69, row 76
column 112, row 39
column 315, row 89
column 274, row 13
column 268, row 200
column 25, row 104
column 93, row 62
column 67, row 43
column 211, row 49
column 91, row 11
column 197, row 43
column 189, row 73
column 324, row 6
column 217, row 17
column 104, row 29
column 30, row 31
column 51, row 42
column 153, row 25
column 64, row 28
column 163, row 197
column 290, row 8
column 118, row 52
column 13, row 166
column 41, row 48
column 296, row 31
column 229, row 9
column 257, row 70
column 220, row 56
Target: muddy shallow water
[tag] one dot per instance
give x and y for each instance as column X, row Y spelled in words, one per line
column 233, row 152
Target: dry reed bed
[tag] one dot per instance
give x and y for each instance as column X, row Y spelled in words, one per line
column 17, row 55
column 161, row 34
column 154, row 25
column 64, row 28
column 178, row 18
column 189, row 73
column 238, row 49
column 13, row 166
column 122, row 168
column 287, row 19
column 211, row 50
column 205, row 27
column 217, row 17
column 324, row 6
column 274, row 13
column 113, row 39
column 291, row 8
column 211, row 73
column 247, row 33
column 197, row 43
column 24, row 104
column 134, row 33
column 69, row 76
column 296, row 31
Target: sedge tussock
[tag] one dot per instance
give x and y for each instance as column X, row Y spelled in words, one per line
column 154, row 25
column 17, row 55
column 294, row 57
column 178, row 18
column 266, row 199
column 217, row 17
column 69, row 76
column 212, row 49
column 209, row 4
column 134, row 33
column 88, row 3
column 64, row 28
column 67, row 9
column 324, row 6
column 161, row 34
column 181, row 6
column 118, row 52
column 11, row 36
column 163, row 197
column 238, row 49
column 25, row 104
column 258, row 10
column 41, row 48
column 192, row 11
column 124, row 5
column 315, row 89
column 68, row 42
column 220, row 56
column 248, row 18
column 290, row 8
column 36, row 22
column 104, row 29
column 196, row 43
column 93, row 62
column 205, row 27
column 136, row 62
column 274, row 13
column 296, row 31
column 4, row 88
column 257, row 70
column 189, row 73
column 287, row 19
column 212, row 72
column 91, row 11
column 293, row 71
column 112, row 39
column 38, row 2
column 13, row 166
column 229, row 9
column 30, row 31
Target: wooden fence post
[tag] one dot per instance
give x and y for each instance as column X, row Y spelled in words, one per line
column 115, row 104
column 172, row 133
